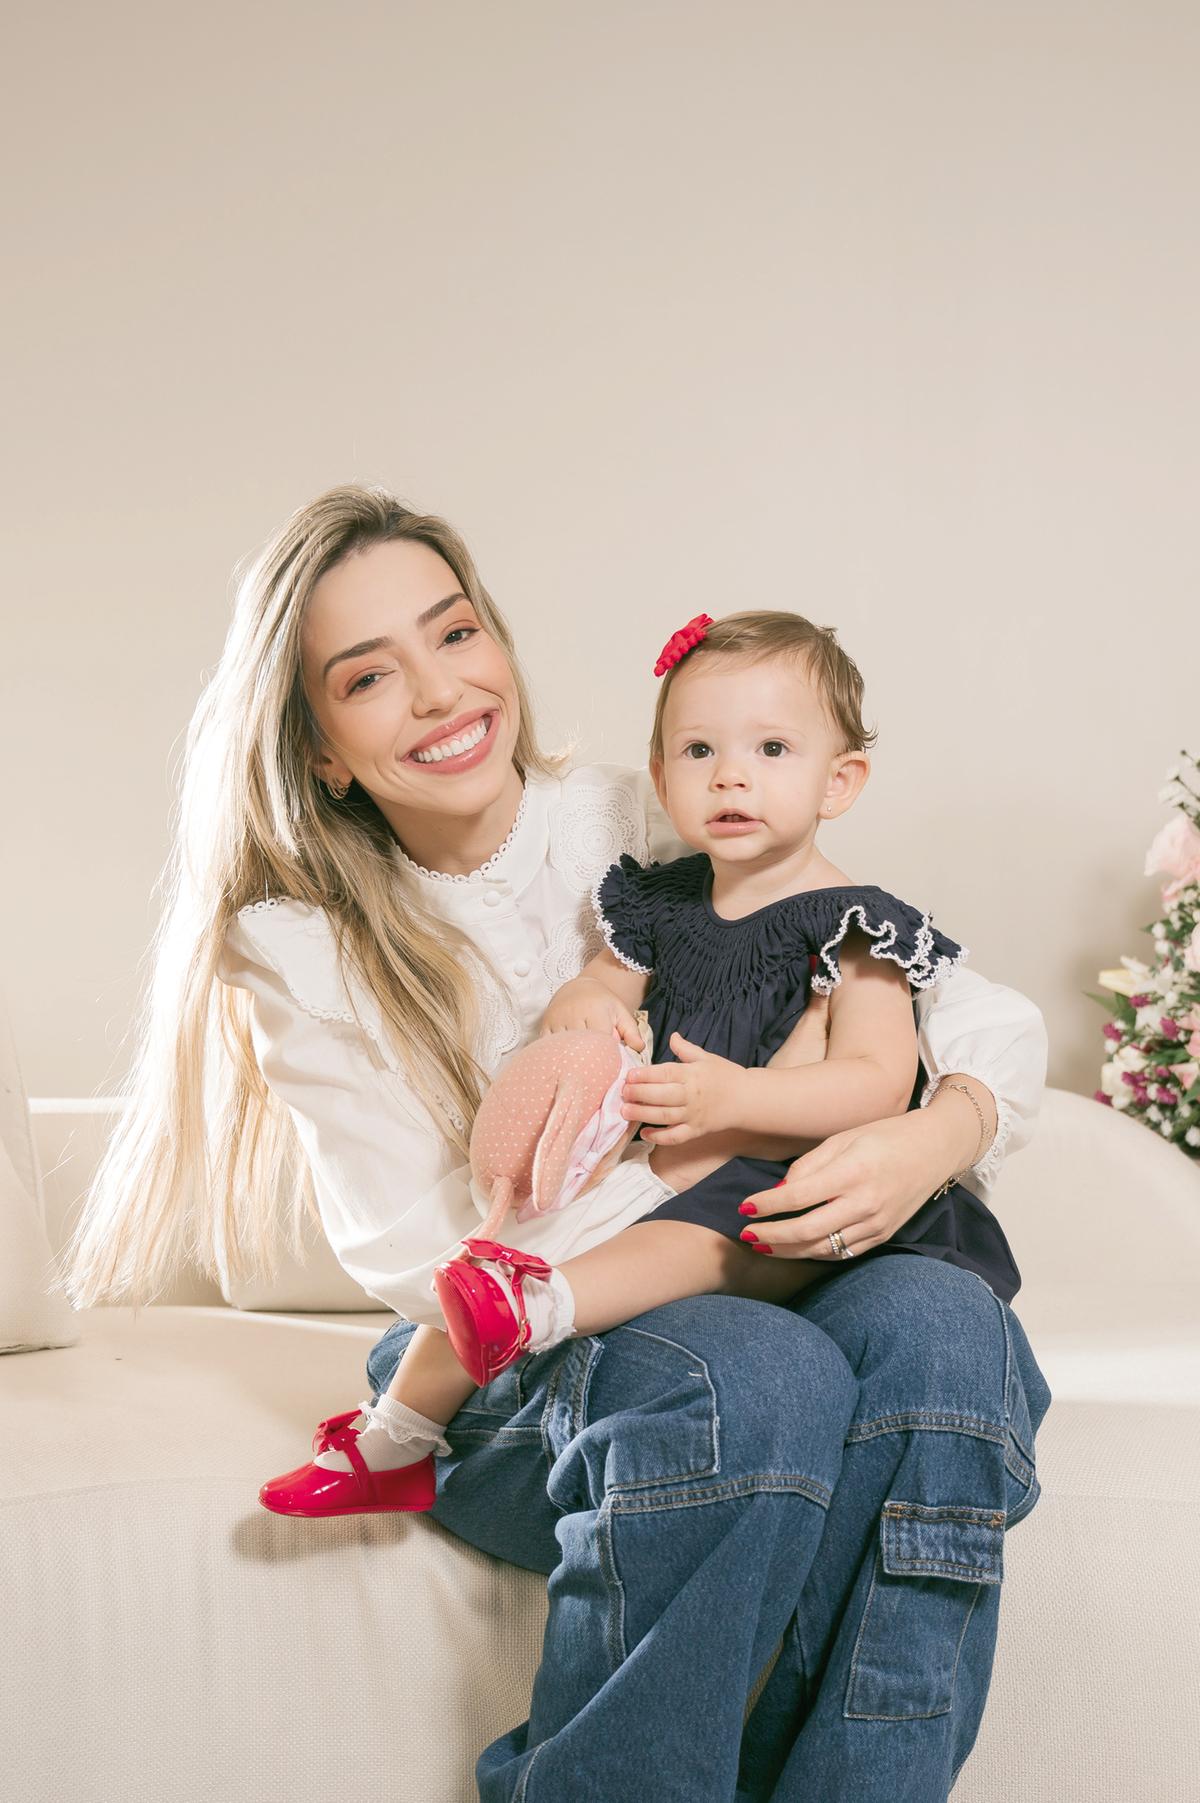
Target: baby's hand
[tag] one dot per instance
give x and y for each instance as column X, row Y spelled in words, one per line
column 586, row 1003
column 678, row 1102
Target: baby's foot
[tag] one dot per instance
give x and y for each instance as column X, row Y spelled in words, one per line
column 390, row 1436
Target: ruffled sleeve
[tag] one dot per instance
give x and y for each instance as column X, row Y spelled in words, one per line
column 898, row 932
column 625, row 904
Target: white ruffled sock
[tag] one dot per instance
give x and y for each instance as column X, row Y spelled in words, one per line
column 549, row 1304
column 391, row 1436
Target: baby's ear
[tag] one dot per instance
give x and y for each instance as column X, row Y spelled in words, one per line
column 847, row 776
column 656, row 777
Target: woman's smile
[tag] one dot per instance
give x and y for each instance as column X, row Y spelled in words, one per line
column 461, row 747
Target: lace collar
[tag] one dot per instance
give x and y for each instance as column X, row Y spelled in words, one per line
column 490, row 868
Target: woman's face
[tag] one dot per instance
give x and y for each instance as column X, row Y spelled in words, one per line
column 414, row 699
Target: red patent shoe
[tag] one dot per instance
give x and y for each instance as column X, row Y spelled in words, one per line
column 312, row 1490
column 482, row 1327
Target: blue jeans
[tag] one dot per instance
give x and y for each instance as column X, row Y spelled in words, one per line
column 718, row 1477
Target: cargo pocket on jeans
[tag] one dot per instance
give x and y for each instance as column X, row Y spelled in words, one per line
column 929, row 1569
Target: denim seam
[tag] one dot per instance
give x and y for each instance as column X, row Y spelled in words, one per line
column 930, row 1420
column 774, row 1483
column 935, row 1512
column 714, row 1463
column 614, row 1632
column 523, row 1782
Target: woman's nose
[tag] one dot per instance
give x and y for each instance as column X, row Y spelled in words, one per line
column 434, row 687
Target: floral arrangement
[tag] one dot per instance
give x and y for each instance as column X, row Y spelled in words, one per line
column 1152, row 1072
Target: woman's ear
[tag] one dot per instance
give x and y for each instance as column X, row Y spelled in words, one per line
column 329, row 769
column 847, row 777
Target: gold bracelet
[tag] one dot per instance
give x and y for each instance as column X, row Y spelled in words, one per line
column 983, row 1133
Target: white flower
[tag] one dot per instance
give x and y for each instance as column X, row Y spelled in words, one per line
column 1172, row 793
column 1165, row 1129
column 1173, row 774
column 1154, row 1114
column 1128, row 1058
column 1193, row 1136
column 1110, row 1079
column 1121, row 1097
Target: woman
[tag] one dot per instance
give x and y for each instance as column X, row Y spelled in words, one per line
column 389, row 878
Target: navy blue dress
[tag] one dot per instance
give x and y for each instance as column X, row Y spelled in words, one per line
column 738, row 987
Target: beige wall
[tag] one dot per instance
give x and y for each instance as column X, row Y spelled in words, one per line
column 884, row 312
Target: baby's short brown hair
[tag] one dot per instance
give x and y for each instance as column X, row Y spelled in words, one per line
column 756, row 637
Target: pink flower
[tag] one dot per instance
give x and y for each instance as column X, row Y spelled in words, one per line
column 1139, row 1001
column 1176, row 851
column 1170, row 1028
column 1186, row 1074
column 1099, row 1096
column 1191, row 953
column 1166, row 1096
column 1193, row 1045
column 1112, row 1031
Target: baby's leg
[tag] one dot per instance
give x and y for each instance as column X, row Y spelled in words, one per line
column 427, row 1391
column 654, row 1262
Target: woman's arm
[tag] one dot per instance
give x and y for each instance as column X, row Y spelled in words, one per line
column 394, row 1197
column 994, row 1039
column 867, row 1182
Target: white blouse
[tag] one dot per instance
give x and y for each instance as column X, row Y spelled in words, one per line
column 395, row 1197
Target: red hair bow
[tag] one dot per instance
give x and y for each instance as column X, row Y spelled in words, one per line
column 681, row 642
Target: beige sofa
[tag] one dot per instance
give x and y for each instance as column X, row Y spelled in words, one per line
column 169, row 1641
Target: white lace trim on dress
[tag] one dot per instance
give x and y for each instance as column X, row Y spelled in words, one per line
column 643, row 970
column 922, row 973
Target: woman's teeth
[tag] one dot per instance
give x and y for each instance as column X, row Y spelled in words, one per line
column 449, row 748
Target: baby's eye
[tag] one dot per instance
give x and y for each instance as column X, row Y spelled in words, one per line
column 698, row 749
column 774, row 748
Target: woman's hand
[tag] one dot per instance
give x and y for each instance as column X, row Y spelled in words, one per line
column 678, row 1102
column 863, row 1183
column 587, row 1003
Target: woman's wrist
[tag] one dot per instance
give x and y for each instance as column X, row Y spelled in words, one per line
column 963, row 1113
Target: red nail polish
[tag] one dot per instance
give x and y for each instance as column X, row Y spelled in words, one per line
column 769, row 1250
column 781, row 1183
column 746, row 1234
column 747, row 1208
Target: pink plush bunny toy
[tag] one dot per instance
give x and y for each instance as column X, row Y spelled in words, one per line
column 551, row 1126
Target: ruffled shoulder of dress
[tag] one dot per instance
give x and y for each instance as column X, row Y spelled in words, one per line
column 297, row 942
column 898, row 932
column 631, row 900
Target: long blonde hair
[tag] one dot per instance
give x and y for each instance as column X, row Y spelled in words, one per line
column 204, row 1165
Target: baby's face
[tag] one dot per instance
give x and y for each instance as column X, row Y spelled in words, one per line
column 750, row 758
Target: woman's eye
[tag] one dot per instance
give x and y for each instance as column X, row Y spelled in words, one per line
column 697, row 751
column 774, row 748
column 371, row 676
column 455, row 631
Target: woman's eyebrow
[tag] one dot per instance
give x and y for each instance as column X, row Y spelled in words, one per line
column 365, row 646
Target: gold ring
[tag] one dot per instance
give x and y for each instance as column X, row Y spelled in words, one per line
column 840, row 1248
